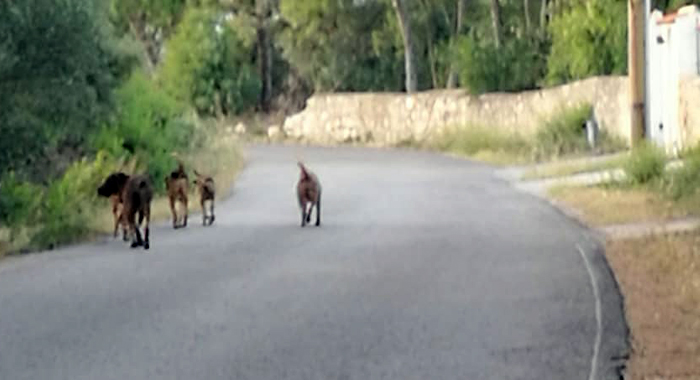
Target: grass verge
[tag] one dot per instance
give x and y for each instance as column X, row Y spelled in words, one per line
column 561, row 135
column 602, row 206
column 660, row 279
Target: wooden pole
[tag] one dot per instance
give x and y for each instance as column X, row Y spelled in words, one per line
column 636, row 65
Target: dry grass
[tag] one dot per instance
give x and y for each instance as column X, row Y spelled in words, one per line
column 606, row 206
column 660, row 279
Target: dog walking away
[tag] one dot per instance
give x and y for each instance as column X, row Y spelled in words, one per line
column 309, row 195
column 112, row 188
column 207, row 193
column 137, row 197
column 177, row 185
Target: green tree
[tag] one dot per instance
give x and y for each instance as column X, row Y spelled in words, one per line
column 210, row 66
column 58, row 66
column 336, row 45
column 589, row 38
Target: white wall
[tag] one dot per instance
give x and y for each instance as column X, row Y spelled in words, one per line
column 673, row 56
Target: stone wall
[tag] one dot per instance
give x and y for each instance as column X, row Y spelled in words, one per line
column 689, row 111
column 389, row 118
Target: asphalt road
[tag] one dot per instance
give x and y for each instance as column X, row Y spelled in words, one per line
column 425, row 267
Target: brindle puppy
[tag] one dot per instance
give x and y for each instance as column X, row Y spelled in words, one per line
column 207, row 193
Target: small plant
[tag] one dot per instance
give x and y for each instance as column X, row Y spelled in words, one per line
column 685, row 182
column 645, row 164
column 563, row 133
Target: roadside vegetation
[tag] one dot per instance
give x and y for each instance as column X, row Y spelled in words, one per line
column 562, row 135
column 658, row 275
column 651, row 191
column 90, row 109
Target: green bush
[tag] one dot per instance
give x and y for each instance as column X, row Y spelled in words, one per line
column 148, row 128
column 564, row 133
column 57, row 213
column 19, row 201
column 70, row 201
column 645, row 164
column 685, row 182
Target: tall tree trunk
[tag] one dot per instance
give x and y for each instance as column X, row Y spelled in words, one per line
column 543, row 16
column 264, row 54
column 496, row 23
column 409, row 55
column 137, row 25
column 453, row 78
column 528, row 22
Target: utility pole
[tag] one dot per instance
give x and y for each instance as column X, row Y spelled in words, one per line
column 636, row 67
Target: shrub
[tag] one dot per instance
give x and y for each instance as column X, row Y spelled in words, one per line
column 563, row 133
column 148, row 128
column 19, row 201
column 685, row 182
column 645, row 164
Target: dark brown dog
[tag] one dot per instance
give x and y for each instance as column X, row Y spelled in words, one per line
column 309, row 195
column 137, row 197
column 112, row 188
column 207, row 192
column 136, row 194
column 177, row 185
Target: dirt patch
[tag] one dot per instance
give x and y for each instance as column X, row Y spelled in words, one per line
column 660, row 280
column 606, row 206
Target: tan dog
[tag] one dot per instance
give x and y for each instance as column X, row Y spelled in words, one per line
column 309, row 195
column 112, row 188
column 207, row 192
column 177, row 185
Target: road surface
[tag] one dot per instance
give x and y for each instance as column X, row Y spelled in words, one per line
column 426, row 267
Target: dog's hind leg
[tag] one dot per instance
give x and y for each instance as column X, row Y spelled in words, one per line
column 211, row 209
column 116, row 214
column 147, row 243
column 204, row 212
column 304, row 217
column 173, row 210
column 184, row 203
column 318, row 210
column 136, row 235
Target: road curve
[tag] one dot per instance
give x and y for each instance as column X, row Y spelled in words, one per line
column 426, row 267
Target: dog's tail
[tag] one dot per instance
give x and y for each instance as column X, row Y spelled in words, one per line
column 304, row 171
